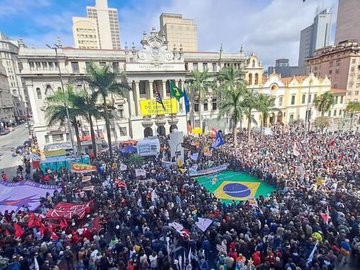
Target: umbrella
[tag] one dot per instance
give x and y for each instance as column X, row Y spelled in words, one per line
column 128, row 150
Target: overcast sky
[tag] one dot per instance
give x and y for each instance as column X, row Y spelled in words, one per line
column 270, row 28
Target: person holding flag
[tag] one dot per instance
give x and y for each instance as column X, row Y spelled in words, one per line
column 218, row 141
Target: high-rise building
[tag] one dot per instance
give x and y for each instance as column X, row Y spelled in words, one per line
column 6, row 103
column 85, row 33
column 179, row 32
column 348, row 20
column 315, row 36
column 99, row 30
column 283, row 68
column 341, row 63
column 9, row 50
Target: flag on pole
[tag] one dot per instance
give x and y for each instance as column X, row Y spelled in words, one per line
column 159, row 99
column 218, row 141
column 311, row 256
column 187, row 104
column 175, row 91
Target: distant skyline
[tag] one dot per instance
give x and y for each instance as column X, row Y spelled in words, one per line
column 270, row 28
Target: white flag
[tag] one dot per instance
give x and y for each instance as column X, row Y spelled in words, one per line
column 140, row 172
column 203, row 223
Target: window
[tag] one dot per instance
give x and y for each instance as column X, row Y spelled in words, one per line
column 356, row 93
column 121, row 111
column 341, row 99
column 195, row 66
column 309, row 99
column 205, row 106
column 75, row 67
column 334, row 112
column 329, row 113
column 102, row 64
column 196, row 107
column 214, row 67
column 214, row 104
column 340, row 112
column 47, row 139
column 250, row 79
column 38, row 65
column 280, row 101
column 142, row 88
column 293, row 100
column 44, row 65
column 186, row 66
column 205, row 66
column 57, row 137
column 291, row 118
column 336, row 99
column 38, row 93
column 353, row 61
column 303, row 98
column 123, row 131
column 256, row 78
column 115, row 66
column 51, row 65
column 87, row 65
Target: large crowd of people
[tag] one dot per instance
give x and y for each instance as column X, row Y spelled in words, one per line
column 311, row 221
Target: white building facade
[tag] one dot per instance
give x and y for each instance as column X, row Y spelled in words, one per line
column 148, row 71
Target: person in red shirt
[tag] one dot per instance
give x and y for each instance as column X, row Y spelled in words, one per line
column 256, row 257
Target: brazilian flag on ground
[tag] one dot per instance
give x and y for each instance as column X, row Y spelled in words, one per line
column 175, row 91
column 232, row 186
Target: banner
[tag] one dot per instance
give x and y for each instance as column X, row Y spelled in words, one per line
column 69, row 210
column 212, row 170
column 82, row 168
column 151, row 107
column 140, row 172
column 203, row 223
column 15, row 195
column 123, row 167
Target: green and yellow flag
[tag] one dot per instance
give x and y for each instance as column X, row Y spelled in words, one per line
column 175, row 91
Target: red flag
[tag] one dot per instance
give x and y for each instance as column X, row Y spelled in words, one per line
column 185, row 233
column 120, row 183
column 38, row 221
column 326, row 216
column 7, row 232
column 42, row 229
column 54, row 236
column 31, row 221
column 63, row 223
column 18, row 230
column 96, row 224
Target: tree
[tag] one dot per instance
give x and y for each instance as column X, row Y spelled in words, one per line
column 56, row 110
column 250, row 102
column 87, row 103
column 103, row 83
column 353, row 108
column 231, row 106
column 324, row 102
column 198, row 88
column 266, row 103
column 322, row 122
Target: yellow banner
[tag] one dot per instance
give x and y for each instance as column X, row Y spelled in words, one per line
column 151, row 107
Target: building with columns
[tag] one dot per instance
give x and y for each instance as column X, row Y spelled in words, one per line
column 149, row 71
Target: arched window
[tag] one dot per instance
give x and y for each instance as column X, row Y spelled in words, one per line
column 148, row 132
column 250, row 79
column 38, row 93
column 48, row 90
column 256, row 78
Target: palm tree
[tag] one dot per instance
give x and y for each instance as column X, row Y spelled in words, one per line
column 231, row 81
column 231, row 105
column 135, row 160
column 103, row 83
column 324, row 102
column 87, row 103
column 266, row 103
column 56, row 110
column 250, row 102
column 353, row 108
column 198, row 88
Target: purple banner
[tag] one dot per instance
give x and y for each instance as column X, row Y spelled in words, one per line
column 15, row 195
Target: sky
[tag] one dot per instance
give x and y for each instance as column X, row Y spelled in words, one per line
column 269, row 28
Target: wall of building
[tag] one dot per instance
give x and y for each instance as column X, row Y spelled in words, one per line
column 347, row 21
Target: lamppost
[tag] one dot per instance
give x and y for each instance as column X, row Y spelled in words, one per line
column 308, row 111
column 63, row 89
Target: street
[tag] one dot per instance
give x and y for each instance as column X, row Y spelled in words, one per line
column 8, row 163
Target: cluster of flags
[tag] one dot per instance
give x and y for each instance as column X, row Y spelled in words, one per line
column 175, row 92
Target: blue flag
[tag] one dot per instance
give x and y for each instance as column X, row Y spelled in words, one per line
column 187, row 105
column 218, row 141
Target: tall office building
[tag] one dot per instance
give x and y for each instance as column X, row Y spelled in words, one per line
column 6, row 102
column 348, row 21
column 99, row 30
column 315, row 37
column 179, row 32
